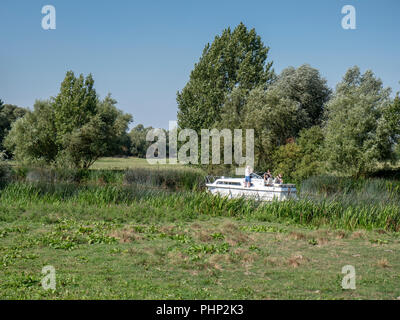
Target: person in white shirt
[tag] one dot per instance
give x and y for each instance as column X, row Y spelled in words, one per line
column 247, row 177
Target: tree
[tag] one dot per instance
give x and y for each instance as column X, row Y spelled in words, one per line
column 8, row 114
column 75, row 105
column 311, row 162
column 305, row 86
column 286, row 158
column 291, row 103
column 139, row 144
column 75, row 128
column 358, row 129
column 236, row 59
column 232, row 111
column 388, row 130
column 300, row 158
column 103, row 134
column 32, row 138
column 274, row 120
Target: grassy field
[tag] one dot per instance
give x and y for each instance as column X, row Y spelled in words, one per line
column 130, row 163
column 110, row 238
column 138, row 252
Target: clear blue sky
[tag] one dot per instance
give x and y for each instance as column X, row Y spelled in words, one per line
column 143, row 51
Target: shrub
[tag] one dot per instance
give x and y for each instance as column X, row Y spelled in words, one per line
column 188, row 179
column 286, row 159
column 5, row 172
column 300, row 159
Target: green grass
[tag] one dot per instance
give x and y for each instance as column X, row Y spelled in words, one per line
column 134, row 257
column 131, row 163
column 307, row 212
column 149, row 233
column 180, row 246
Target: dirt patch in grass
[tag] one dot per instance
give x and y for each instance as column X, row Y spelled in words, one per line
column 322, row 241
column 244, row 255
column 196, row 225
column 296, row 260
column 203, row 236
column 126, row 235
column 297, row 236
column 273, row 261
column 358, row 235
column 340, row 234
column 169, row 230
column 237, row 238
column 177, row 258
column 229, row 227
column 383, row 263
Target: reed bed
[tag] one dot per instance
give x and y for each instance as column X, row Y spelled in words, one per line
column 348, row 203
column 333, row 211
column 160, row 178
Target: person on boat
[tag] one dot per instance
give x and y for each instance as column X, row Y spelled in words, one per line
column 278, row 179
column 267, row 175
column 247, row 177
column 268, row 178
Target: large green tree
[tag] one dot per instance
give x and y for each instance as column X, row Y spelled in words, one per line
column 292, row 102
column 139, row 144
column 361, row 123
column 33, row 137
column 75, row 105
column 75, row 128
column 8, row 114
column 302, row 157
column 308, row 88
column 274, row 119
column 235, row 59
column 312, row 162
column 103, row 134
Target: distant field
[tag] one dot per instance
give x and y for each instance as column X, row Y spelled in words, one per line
column 110, row 163
column 129, row 163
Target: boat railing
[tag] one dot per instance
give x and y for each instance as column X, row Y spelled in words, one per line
column 210, row 179
column 257, row 175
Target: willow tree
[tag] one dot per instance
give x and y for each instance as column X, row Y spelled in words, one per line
column 308, row 88
column 361, row 125
column 274, row 119
column 8, row 114
column 32, row 138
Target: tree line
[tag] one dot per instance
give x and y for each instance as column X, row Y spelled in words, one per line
column 302, row 127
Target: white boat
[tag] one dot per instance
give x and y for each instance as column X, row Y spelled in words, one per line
column 259, row 190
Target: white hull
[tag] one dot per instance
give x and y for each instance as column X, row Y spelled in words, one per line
column 234, row 188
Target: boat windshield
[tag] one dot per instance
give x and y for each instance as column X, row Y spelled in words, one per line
column 229, row 183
